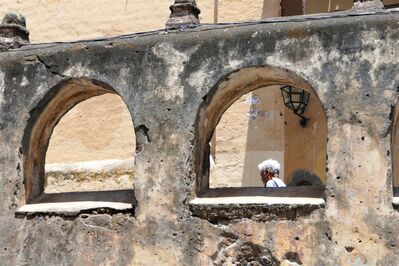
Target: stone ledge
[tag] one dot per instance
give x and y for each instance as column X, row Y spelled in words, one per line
column 72, row 208
column 316, row 191
column 74, row 203
column 225, row 209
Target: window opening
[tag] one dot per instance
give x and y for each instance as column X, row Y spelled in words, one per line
column 79, row 148
column 87, row 150
column 259, row 126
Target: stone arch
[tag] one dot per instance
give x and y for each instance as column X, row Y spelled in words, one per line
column 228, row 90
column 43, row 119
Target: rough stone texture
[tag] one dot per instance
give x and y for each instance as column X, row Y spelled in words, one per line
column 350, row 62
column 228, row 213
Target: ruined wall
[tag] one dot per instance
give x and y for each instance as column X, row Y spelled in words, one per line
column 350, row 62
column 72, row 20
column 88, row 138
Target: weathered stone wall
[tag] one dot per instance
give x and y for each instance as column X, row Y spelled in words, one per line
column 71, row 20
column 164, row 79
column 90, row 139
column 80, row 136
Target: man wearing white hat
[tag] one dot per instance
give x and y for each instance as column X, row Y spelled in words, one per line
column 269, row 171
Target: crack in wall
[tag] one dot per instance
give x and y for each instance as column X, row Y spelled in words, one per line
column 50, row 67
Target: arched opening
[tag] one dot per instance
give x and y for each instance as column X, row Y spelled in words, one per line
column 244, row 121
column 88, row 148
column 80, row 157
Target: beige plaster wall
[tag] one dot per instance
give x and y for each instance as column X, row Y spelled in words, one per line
column 66, row 20
column 230, row 145
column 390, row 2
column 243, row 141
column 265, row 138
column 317, row 6
column 306, row 147
column 85, row 143
column 99, row 128
column 247, row 10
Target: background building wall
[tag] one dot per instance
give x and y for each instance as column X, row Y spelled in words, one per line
column 317, row 6
column 265, row 138
column 246, row 10
column 68, row 20
column 99, row 128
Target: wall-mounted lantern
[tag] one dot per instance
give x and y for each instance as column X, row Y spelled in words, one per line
column 297, row 100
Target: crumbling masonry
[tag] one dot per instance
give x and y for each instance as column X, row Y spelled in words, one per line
column 177, row 83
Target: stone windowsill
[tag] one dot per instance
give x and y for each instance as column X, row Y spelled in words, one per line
column 259, row 200
column 282, row 192
column 222, row 205
column 74, row 203
column 258, row 208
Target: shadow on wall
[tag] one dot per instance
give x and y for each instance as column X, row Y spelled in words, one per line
column 302, row 177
